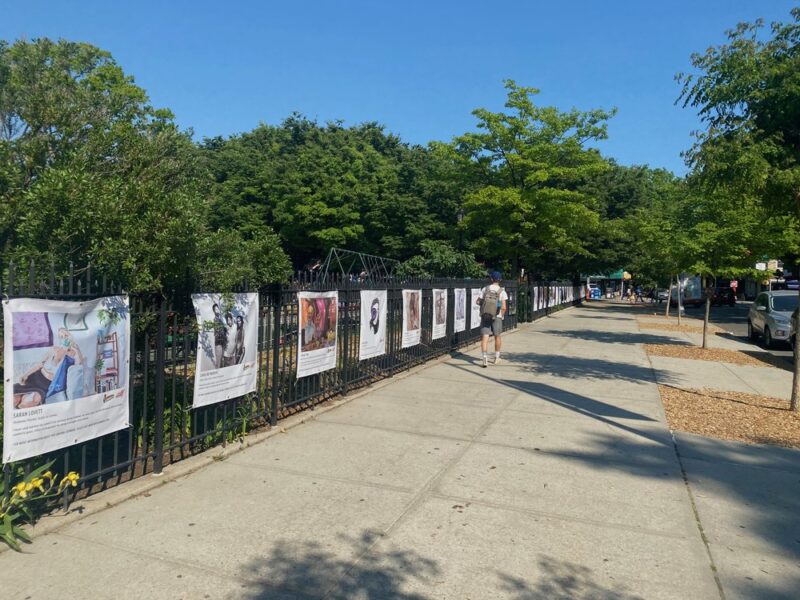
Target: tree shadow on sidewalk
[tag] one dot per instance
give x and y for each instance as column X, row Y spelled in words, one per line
column 615, row 337
column 576, row 402
column 561, row 580
column 306, row 570
column 578, row 367
column 583, row 405
column 759, row 501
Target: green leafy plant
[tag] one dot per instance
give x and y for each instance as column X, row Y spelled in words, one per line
column 17, row 502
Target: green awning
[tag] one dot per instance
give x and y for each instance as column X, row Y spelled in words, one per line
column 614, row 275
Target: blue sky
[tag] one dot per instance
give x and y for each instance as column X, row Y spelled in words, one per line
column 419, row 68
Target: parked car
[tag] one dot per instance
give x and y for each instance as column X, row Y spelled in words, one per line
column 595, row 293
column 770, row 316
column 662, row 295
column 793, row 329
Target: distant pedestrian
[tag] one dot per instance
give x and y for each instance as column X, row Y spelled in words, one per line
column 493, row 301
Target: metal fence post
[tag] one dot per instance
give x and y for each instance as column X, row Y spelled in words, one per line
column 276, row 351
column 158, row 461
column 346, row 342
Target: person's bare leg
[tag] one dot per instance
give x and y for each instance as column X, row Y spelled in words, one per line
column 498, row 343
column 484, row 349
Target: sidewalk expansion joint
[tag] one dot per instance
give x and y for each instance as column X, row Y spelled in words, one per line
column 556, row 516
column 698, row 522
column 307, row 475
column 425, row 492
column 476, row 442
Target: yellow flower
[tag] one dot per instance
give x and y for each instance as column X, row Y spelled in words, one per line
column 20, row 489
column 28, row 487
column 38, row 482
column 72, row 478
column 48, row 474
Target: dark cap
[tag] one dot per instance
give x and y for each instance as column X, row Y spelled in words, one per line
column 495, row 276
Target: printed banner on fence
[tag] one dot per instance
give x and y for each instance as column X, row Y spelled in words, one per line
column 412, row 310
column 439, row 329
column 66, row 373
column 317, row 327
column 373, row 324
column 460, row 312
column 227, row 347
column 475, row 309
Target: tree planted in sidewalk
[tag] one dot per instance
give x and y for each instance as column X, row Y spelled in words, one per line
column 747, row 92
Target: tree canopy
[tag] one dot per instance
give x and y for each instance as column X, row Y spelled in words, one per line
column 91, row 172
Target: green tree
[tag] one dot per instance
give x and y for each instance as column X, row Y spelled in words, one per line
column 747, row 92
column 532, row 160
column 439, row 259
column 90, row 172
column 639, row 209
column 725, row 229
column 658, row 234
column 323, row 186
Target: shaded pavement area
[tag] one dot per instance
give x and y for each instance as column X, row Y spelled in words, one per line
column 550, row 475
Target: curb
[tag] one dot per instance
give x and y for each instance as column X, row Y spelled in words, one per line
column 134, row 488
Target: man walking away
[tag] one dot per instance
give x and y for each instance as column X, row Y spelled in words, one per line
column 492, row 300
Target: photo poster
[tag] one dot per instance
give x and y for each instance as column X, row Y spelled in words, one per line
column 227, row 347
column 439, row 328
column 475, row 309
column 67, row 367
column 317, row 327
column 373, row 324
column 412, row 312
column 460, row 312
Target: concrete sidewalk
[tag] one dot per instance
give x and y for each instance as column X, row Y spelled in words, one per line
column 550, row 475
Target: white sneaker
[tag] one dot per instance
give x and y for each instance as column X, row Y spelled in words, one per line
column 485, row 362
column 496, row 360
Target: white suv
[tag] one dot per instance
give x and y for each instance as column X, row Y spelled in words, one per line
column 771, row 315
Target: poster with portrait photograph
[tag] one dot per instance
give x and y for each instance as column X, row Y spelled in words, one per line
column 66, row 370
column 412, row 313
column 372, row 342
column 317, row 327
column 439, row 328
column 227, row 347
column 460, row 309
column 475, row 309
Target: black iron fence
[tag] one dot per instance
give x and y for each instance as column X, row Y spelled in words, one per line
column 164, row 426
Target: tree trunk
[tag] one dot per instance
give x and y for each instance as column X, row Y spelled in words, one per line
column 708, row 312
column 795, row 404
column 669, row 297
column 680, row 300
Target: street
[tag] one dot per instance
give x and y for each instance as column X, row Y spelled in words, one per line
column 734, row 320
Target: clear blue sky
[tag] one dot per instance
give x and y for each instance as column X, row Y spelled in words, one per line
column 419, row 68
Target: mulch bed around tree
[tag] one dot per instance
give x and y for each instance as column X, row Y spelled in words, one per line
column 760, row 359
column 732, row 416
column 675, row 327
